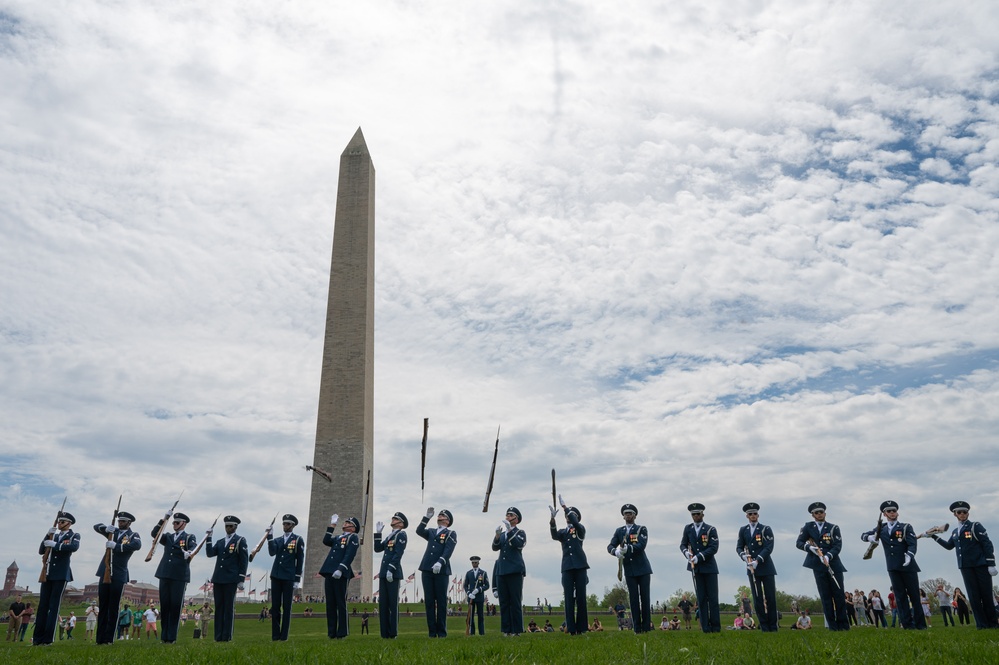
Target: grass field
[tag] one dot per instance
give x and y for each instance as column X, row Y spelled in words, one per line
column 309, row 644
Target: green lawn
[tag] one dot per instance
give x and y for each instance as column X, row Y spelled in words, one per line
column 308, row 644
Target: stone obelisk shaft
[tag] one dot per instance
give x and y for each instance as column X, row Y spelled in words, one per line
column 344, row 430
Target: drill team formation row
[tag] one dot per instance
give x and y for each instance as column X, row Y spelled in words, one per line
column 821, row 541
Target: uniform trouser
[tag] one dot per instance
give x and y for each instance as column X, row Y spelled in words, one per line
column 47, row 615
column 641, row 604
column 511, row 599
column 108, row 599
column 336, row 606
column 435, row 600
column 282, row 593
column 574, row 589
column 388, row 607
column 765, row 599
column 947, row 614
column 478, row 609
column 171, row 603
column 225, row 610
column 833, row 600
column 978, row 584
column 906, row 587
column 706, row 588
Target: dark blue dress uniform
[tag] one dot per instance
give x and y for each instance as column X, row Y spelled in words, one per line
column 126, row 542
column 343, row 549
column 509, row 575
column 288, row 550
column 756, row 543
column 574, row 567
column 232, row 557
column 441, row 542
column 394, row 546
column 975, row 557
column 59, row 573
column 633, row 539
column 828, row 538
column 898, row 541
column 173, row 572
column 702, row 541
column 476, row 580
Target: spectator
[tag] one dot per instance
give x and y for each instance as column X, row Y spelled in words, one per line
column 26, row 615
column 685, row 606
column 737, row 624
column 137, row 617
column 674, row 623
column 961, row 606
column 851, row 610
column 860, row 606
column 150, row 616
column 893, row 606
column 747, row 622
column 877, row 608
column 804, row 622
column 664, row 624
column 532, row 627
column 619, row 611
column 597, row 626
column 124, row 622
column 14, row 615
column 945, row 600
column 206, row 616
column 924, row 600
column 91, row 615
column 549, row 628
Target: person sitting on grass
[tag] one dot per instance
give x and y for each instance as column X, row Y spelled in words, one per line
column 664, row 624
column 674, row 623
column 737, row 624
column 804, row 622
column 597, row 626
column 533, row 627
column 549, row 628
column 747, row 621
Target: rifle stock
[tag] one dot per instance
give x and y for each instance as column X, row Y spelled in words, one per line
column 159, row 532
column 877, row 537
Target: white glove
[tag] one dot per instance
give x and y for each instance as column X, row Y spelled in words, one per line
column 334, row 518
column 868, row 537
column 496, row 594
column 270, row 529
column 188, row 554
column 752, row 564
column 993, row 571
column 561, row 501
column 499, row 530
column 168, row 515
column 693, row 559
column 52, row 530
column 618, row 552
column 472, row 595
column 744, row 557
column 239, row 586
column 298, row 585
column 436, row 568
column 908, row 559
column 813, row 549
column 111, row 544
column 506, row 525
column 389, row 577
column 553, row 511
column 208, row 534
column 379, row 527
column 430, row 512
column 49, row 542
column 825, row 560
column 337, row 574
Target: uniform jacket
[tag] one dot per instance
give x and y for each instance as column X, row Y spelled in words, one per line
column 289, row 556
column 440, row 546
column 343, row 549
column 635, row 560
column 394, row 547
column 67, row 542
column 173, row 564
column 705, row 546
column 511, row 558
column 571, row 537
column 760, row 546
column 125, row 543
column 827, row 536
column 896, row 541
column 972, row 544
column 231, row 560
column 476, row 579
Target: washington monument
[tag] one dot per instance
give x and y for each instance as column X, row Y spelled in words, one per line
column 344, row 431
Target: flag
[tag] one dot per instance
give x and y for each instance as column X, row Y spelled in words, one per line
column 253, row 592
column 248, row 577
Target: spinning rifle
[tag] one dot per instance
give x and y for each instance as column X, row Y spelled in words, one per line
column 932, row 531
column 492, row 474
column 364, row 508
column 423, row 457
column 262, row 540
column 202, row 543
column 44, row 575
column 325, row 474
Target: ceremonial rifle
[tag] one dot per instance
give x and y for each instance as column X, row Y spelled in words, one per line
column 325, row 474
column 828, row 566
column 44, row 575
column 202, row 543
column 159, row 532
column 554, row 494
column 423, row 457
column 492, row 473
column 262, row 540
column 877, row 537
column 364, row 508
column 107, row 551
column 932, row 531
column 752, row 576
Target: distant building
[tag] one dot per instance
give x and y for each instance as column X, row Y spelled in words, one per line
column 134, row 593
column 10, row 587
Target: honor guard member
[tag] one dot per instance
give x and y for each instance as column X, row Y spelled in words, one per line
column 510, row 571
column 61, row 541
column 756, row 546
column 390, row 573
column 976, row 559
column 174, row 572
column 476, row 584
column 700, row 545
column 435, row 568
column 338, row 573
column 288, row 551
column 232, row 557
column 822, row 542
column 574, row 567
column 122, row 542
column 899, row 544
column 628, row 545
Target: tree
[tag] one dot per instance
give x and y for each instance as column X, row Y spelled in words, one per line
column 592, row 602
column 744, row 589
column 616, row 594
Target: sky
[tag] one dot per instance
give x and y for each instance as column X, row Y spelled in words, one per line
column 680, row 252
